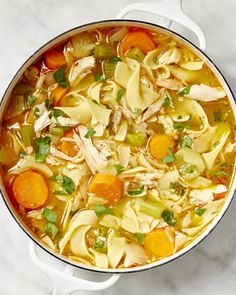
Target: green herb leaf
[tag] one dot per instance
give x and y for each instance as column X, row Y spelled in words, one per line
column 57, row 113
column 168, row 217
column 99, row 77
column 170, row 157
column 200, row 211
column 36, row 111
column 137, row 112
column 66, row 182
column 60, row 193
column 181, row 125
column 60, row 77
column 51, row 229
column 166, row 102
column 119, row 94
column 189, row 168
column 140, row 237
column 99, row 244
column 186, row 142
column 219, row 173
column 218, row 116
column 137, row 192
column 42, row 146
column 101, row 210
column 50, row 215
column 118, row 168
column 114, row 60
column 91, row 132
column 22, row 154
column 48, row 104
column 185, row 90
column 30, row 100
column 216, row 143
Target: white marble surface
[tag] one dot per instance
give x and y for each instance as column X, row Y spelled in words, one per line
column 208, row 269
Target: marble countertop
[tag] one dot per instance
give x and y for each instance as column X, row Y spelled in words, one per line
column 208, row 269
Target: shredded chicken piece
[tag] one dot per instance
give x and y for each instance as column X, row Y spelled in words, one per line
column 43, row 121
column 80, row 69
column 117, row 115
column 169, row 84
column 55, row 152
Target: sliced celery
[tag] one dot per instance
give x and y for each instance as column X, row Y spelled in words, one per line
column 27, row 134
column 154, row 209
column 136, row 53
column 103, row 50
column 55, row 130
column 136, row 139
column 17, row 106
column 109, row 69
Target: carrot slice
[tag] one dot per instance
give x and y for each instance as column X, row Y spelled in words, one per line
column 67, row 147
column 158, row 243
column 30, row 189
column 54, row 58
column 159, row 145
column 137, row 38
column 107, row 186
column 219, row 196
column 57, row 94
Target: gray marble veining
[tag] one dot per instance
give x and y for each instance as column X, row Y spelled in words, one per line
column 208, row 269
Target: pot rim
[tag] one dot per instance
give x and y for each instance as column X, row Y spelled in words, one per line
column 210, row 227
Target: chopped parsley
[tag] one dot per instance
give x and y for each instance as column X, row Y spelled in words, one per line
column 219, row 173
column 119, row 168
column 99, row 77
column 99, row 244
column 66, row 182
column 185, row 90
column 36, row 112
column 91, row 132
column 48, row 104
column 42, row 145
column 218, row 116
column 30, row 100
column 120, row 94
column 22, row 154
column 101, row 210
column 168, row 217
column 181, row 125
column 114, row 60
column 189, row 168
column 200, row 211
column 57, row 113
column 140, row 237
column 170, row 157
column 60, row 77
column 137, row 192
column 50, row 215
column 166, row 102
column 51, row 229
column 137, row 112
column 186, row 142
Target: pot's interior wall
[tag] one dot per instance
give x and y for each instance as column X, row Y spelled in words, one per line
column 92, row 26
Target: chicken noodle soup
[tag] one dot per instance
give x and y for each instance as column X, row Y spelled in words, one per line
column 118, row 147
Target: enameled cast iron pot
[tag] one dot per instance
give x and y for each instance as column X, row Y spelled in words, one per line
column 169, row 10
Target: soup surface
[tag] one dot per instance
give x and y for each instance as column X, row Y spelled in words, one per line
column 118, row 147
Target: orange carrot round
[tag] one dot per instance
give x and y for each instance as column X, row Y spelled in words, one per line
column 67, row 147
column 159, row 145
column 54, row 58
column 30, row 189
column 137, row 38
column 158, row 244
column 57, row 94
column 107, row 186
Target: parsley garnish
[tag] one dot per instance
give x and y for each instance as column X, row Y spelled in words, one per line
column 101, row 210
column 200, row 211
column 186, row 142
column 137, row 112
column 189, row 168
column 114, row 60
column 50, row 227
column 137, row 192
column 57, row 113
column 140, row 237
column 168, row 217
column 42, row 145
column 170, row 157
column 36, row 111
column 91, row 132
column 218, row 116
column 50, row 215
column 99, row 77
column 181, row 125
column 48, row 104
column 60, row 77
column 166, row 102
column 185, row 90
column 118, row 168
column 30, row 100
column 119, row 94
column 99, row 244
column 66, row 182
column 22, row 154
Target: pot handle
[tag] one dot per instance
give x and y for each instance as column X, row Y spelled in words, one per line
column 170, row 10
column 65, row 282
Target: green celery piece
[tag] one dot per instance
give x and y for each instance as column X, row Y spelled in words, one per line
column 56, row 130
column 27, row 134
column 17, row 106
column 103, row 50
column 136, row 53
column 109, row 69
column 154, row 209
column 136, row 139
